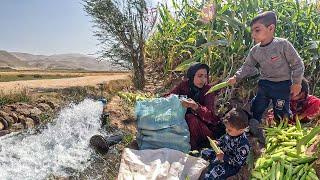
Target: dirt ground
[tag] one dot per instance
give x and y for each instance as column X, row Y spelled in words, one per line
column 89, row 80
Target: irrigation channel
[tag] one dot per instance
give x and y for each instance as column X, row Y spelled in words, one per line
column 61, row 148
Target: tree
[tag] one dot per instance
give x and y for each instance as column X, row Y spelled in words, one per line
column 122, row 31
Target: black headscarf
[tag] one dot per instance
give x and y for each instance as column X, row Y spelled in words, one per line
column 195, row 91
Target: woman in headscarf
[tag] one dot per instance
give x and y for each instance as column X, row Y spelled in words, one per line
column 305, row 105
column 200, row 115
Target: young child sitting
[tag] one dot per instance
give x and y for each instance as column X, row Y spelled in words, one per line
column 234, row 145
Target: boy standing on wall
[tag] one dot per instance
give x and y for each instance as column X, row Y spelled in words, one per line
column 280, row 66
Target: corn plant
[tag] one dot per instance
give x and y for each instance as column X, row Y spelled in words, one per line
column 223, row 43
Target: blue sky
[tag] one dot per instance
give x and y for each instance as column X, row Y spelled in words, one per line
column 46, row 27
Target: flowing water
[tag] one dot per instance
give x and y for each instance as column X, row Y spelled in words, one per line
column 60, row 149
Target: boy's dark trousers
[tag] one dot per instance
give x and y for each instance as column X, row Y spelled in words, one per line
column 278, row 93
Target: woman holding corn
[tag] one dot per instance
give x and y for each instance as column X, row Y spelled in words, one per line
column 200, row 116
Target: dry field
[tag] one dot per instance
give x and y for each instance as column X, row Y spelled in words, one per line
column 67, row 79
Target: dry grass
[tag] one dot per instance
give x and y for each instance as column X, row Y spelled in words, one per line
column 21, row 77
column 115, row 86
column 15, row 95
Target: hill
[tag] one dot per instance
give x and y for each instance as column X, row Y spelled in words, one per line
column 18, row 60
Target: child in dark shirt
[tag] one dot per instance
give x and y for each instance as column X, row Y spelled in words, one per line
column 234, row 145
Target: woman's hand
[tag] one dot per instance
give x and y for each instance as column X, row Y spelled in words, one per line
column 189, row 103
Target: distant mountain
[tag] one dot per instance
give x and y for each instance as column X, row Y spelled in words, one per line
column 18, row 60
column 27, row 57
column 9, row 60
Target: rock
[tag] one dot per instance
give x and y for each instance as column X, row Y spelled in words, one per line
column 21, row 119
column 4, row 123
column 18, row 116
column 52, row 104
column 24, row 105
column 9, row 119
column 12, row 107
column 29, row 123
column 3, row 113
column 44, row 107
column 4, row 132
column 6, row 109
column 17, row 106
column 23, row 111
column 17, row 127
column 14, row 117
column 36, row 119
column 35, row 111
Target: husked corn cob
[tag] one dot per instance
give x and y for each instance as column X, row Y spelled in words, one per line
column 217, row 87
column 214, row 146
column 284, row 157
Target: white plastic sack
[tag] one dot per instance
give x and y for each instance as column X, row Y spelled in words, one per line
column 159, row 164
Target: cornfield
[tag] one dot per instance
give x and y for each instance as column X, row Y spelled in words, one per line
column 182, row 37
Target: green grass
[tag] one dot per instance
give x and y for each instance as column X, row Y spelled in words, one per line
column 22, row 77
column 127, row 139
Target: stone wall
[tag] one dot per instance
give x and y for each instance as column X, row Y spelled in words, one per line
column 18, row 116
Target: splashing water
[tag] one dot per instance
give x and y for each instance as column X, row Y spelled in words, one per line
column 60, row 148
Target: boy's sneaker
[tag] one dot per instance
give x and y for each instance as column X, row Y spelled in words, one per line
column 256, row 130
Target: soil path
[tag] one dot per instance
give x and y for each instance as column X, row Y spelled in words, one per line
column 62, row 83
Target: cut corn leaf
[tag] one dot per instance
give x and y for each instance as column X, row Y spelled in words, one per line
column 307, row 138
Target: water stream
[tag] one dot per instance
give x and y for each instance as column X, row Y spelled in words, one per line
column 60, row 149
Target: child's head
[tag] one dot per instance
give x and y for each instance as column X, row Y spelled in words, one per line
column 304, row 90
column 236, row 121
column 263, row 27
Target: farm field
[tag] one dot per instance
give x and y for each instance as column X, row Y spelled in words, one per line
column 55, row 79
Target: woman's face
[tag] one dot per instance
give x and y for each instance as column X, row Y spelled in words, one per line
column 200, row 78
